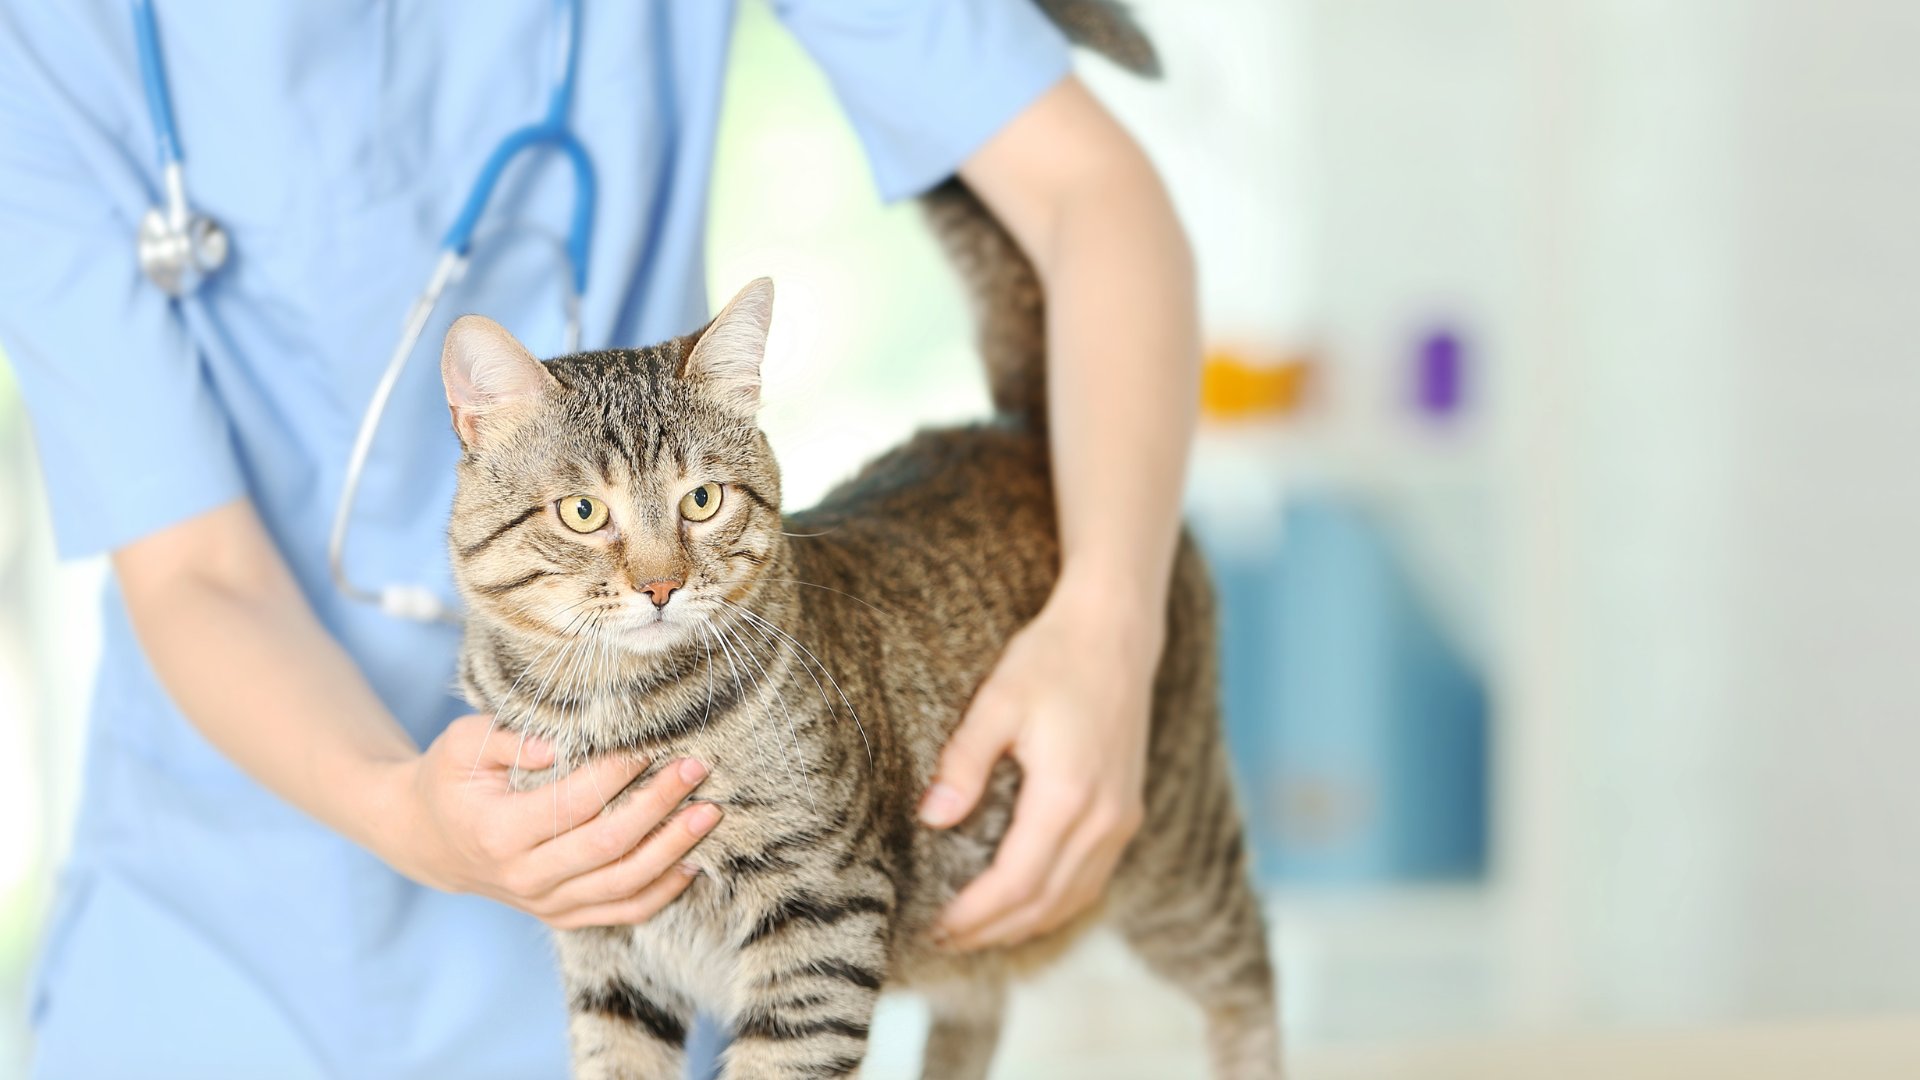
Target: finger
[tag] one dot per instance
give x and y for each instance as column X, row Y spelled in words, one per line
column 1084, row 893
column 1073, row 886
column 1080, row 883
column 1023, row 919
column 1042, row 824
column 531, row 753
column 561, row 805
column 627, row 876
column 639, row 909
column 966, row 764
column 612, row 833
column 477, row 738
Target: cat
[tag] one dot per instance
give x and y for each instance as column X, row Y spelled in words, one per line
column 632, row 587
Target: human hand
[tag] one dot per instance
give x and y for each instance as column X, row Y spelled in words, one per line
column 1069, row 700
column 558, row 852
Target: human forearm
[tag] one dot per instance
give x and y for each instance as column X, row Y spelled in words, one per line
column 1123, row 348
column 1069, row 698
column 237, row 646
column 244, row 658
column 1123, row 390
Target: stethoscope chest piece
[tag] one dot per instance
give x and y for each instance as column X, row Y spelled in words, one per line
column 178, row 248
column 177, row 255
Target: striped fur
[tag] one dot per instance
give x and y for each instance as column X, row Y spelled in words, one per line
column 818, row 663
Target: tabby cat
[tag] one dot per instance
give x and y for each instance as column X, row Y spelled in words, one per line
column 633, row 588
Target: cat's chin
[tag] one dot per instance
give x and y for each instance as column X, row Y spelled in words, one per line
column 652, row 637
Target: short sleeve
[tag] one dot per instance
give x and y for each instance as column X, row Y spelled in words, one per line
column 926, row 82
column 131, row 437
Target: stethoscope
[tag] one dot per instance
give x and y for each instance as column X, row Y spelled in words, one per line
column 179, row 249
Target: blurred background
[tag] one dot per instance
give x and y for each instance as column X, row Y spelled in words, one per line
column 1556, row 476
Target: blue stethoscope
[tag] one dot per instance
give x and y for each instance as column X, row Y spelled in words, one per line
column 179, row 249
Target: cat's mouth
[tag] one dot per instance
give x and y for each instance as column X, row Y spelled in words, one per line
column 652, row 629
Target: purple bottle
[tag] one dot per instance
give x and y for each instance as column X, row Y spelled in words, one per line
column 1439, row 375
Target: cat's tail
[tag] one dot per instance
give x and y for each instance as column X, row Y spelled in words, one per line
column 1007, row 298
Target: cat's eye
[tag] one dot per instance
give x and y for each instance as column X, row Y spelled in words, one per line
column 701, row 503
column 583, row 513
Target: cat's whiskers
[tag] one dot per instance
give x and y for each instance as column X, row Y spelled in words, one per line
column 598, row 793
column 527, row 713
column 493, row 722
column 807, row 664
column 764, row 621
column 728, row 645
column 525, row 710
column 533, row 706
column 739, row 691
column 565, row 752
column 514, row 769
column 597, row 668
column 737, row 649
column 806, row 667
column 810, row 585
column 591, row 673
column 707, row 640
column 793, row 730
column 564, row 636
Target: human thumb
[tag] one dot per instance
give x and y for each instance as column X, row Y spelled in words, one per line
column 972, row 751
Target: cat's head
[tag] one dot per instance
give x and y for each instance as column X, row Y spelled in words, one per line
column 628, row 495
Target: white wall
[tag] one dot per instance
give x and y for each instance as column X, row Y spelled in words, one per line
column 1828, row 606
column 1687, row 236
column 1711, row 807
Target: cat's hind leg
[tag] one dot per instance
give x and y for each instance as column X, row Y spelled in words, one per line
column 1185, row 903
column 966, row 1028
column 1212, row 944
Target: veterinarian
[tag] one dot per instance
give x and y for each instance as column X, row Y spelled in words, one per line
column 267, row 868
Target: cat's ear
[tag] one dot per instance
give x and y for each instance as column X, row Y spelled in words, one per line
column 727, row 354
column 487, row 372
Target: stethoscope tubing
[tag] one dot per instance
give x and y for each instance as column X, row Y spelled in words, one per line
column 459, row 238
column 153, row 76
column 407, row 602
column 551, row 131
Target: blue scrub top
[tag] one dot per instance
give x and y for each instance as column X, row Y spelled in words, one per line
column 203, row 928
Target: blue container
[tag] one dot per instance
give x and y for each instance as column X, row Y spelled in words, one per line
column 1358, row 731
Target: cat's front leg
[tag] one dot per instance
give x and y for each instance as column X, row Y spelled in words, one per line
column 624, row 1024
column 810, row 969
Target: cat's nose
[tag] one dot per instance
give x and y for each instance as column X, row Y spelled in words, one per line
column 660, row 589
